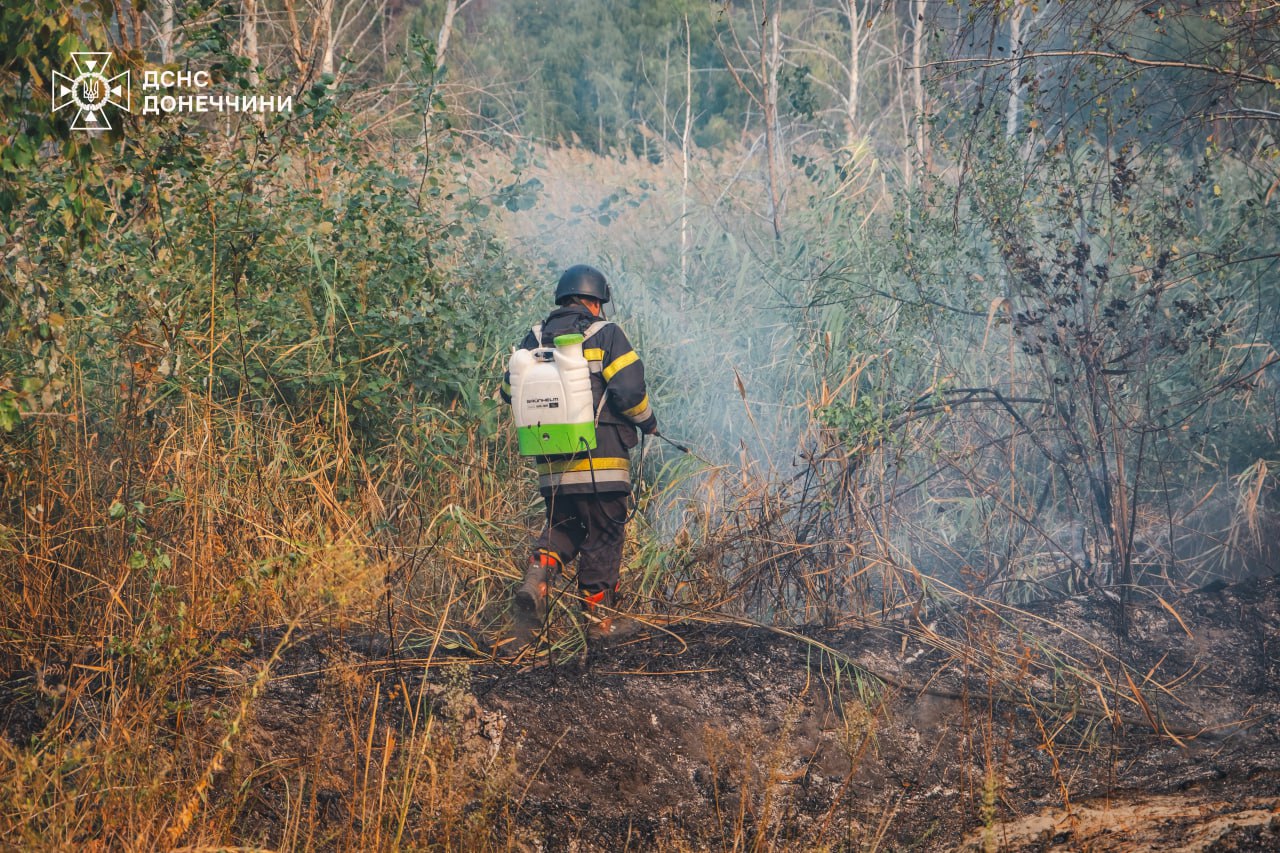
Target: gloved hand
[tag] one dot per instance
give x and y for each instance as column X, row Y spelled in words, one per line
column 650, row 427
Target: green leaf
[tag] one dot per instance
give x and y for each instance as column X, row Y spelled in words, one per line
column 9, row 413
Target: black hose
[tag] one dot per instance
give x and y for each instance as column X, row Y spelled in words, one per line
column 595, row 490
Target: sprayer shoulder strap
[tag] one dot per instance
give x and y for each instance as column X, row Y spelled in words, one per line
column 591, row 330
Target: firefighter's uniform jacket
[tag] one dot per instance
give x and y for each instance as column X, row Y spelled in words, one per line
column 617, row 379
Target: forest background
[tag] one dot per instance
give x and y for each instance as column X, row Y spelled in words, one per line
column 952, row 300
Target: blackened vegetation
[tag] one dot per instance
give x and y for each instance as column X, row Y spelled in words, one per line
column 911, row 732
column 743, row 733
column 1121, row 355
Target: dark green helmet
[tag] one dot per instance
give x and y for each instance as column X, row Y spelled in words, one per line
column 582, row 280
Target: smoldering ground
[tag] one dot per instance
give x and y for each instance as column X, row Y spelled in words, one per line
column 909, row 734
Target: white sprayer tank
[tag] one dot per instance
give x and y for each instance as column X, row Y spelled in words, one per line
column 551, row 398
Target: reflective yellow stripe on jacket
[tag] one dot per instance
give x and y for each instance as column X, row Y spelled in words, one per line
column 619, row 363
column 640, row 411
column 564, row 466
column 600, row 471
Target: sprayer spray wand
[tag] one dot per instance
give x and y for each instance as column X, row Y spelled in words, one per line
column 683, row 449
column 679, row 447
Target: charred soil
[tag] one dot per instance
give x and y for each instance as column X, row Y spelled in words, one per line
column 991, row 727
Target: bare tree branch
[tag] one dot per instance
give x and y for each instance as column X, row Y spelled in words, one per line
column 985, row 62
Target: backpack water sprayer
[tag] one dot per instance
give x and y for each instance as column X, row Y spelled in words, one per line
column 551, row 398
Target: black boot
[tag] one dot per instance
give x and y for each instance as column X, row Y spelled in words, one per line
column 531, row 597
column 605, row 624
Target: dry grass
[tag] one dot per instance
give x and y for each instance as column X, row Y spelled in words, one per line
column 139, row 547
column 139, row 560
column 140, row 556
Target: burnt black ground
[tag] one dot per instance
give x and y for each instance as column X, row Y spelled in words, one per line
column 729, row 731
column 720, row 735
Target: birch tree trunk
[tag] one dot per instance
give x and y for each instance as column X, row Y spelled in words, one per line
column 165, row 36
column 249, row 25
column 326, row 28
column 900, row 87
column 856, row 39
column 684, row 157
column 446, row 30
column 917, row 74
column 442, row 45
column 1015, row 71
column 770, row 56
column 917, row 30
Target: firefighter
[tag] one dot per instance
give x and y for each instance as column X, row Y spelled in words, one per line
column 586, row 494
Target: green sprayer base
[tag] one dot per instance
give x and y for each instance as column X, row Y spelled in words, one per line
column 556, row 439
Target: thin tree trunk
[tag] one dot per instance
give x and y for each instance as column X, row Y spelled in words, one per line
column 770, row 56
column 442, row 46
column 904, row 112
column 917, row 75
column 249, row 23
column 855, row 71
column 136, row 10
column 166, row 32
column 1015, row 72
column 1011, row 129
column 295, row 36
column 326, row 28
column 446, row 30
column 684, row 157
